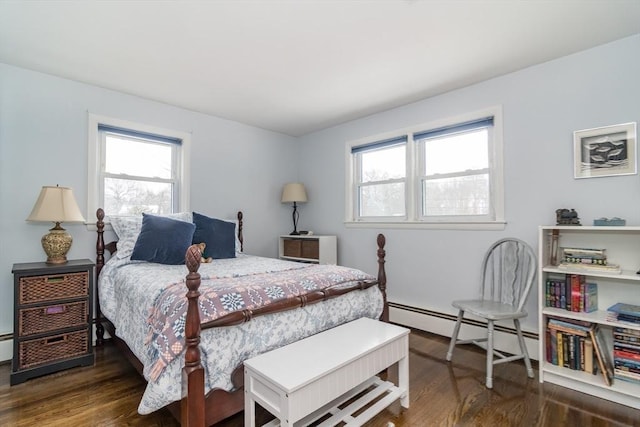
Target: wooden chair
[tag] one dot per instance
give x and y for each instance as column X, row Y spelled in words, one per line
column 508, row 273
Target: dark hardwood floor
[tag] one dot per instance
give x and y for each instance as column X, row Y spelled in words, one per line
column 442, row 394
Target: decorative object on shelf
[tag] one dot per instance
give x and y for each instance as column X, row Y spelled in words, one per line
column 567, row 217
column 56, row 204
column 605, row 151
column 296, row 193
column 615, row 221
column 553, row 250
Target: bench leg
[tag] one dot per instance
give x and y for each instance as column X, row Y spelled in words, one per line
column 249, row 410
column 403, row 380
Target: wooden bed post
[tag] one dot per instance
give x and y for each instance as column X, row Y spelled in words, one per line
column 99, row 265
column 192, row 411
column 382, row 276
column 240, row 236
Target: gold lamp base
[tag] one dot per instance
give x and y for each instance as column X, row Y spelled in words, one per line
column 56, row 244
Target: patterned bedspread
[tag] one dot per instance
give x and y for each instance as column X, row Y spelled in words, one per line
column 128, row 291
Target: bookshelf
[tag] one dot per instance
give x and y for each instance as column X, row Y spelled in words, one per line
column 622, row 246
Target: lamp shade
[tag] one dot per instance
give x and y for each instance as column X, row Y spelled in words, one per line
column 294, row 192
column 56, row 204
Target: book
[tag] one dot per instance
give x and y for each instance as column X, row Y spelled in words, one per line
column 578, row 325
column 588, row 356
column 627, row 331
column 576, row 283
column 625, row 309
column 581, row 260
column 553, row 347
column 578, row 252
column 590, row 268
column 624, row 346
column 625, row 375
column 626, row 338
column 601, row 356
column 560, row 356
column 627, row 365
column 629, row 319
column 590, row 297
column 625, row 355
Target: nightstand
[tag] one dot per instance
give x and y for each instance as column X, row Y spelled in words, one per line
column 309, row 248
column 53, row 306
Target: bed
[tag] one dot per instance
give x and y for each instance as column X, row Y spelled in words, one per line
column 191, row 349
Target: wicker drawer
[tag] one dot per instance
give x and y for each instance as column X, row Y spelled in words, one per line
column 310, row 249
column 53, row 287
column 55, row 347
column 51, row 317
column 292, row 248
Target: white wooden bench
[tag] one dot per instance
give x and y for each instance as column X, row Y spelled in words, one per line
column 305, row 380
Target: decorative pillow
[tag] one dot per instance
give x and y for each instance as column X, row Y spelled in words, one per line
column 127, row 228
column 163, row 240
column 219, row 236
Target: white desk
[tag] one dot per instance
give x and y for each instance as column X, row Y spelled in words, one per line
column 305, row 380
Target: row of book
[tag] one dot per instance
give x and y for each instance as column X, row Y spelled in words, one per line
column 584, row 256
column 587, row 260
column 626, row 342
column 577, row 345
column 572, row 293
column 623, row 312
column 626, row 354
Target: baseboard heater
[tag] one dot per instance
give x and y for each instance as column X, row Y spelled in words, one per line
column 453, row 318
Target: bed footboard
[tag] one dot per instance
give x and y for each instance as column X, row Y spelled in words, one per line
column 193, row 404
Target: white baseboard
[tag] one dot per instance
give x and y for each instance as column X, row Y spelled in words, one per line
column 505, row 341
column 6, row 350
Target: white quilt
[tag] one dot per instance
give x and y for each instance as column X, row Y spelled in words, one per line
column 127, row 289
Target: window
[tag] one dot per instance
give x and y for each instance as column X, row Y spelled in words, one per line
column 445, row 173
column 381, row 178
column 135, row 168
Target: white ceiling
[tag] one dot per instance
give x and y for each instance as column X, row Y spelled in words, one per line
column 297, row 66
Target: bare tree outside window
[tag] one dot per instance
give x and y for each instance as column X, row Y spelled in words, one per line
column 138, row 175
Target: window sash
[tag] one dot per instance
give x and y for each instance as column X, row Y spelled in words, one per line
column 135, row 136
column 180, row 143
column 361, row 186
column 454, row 214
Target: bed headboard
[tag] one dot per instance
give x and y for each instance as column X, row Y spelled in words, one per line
column 111, row 247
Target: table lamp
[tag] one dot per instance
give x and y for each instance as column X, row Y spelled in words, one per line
column 56, row 204
column 294, row 192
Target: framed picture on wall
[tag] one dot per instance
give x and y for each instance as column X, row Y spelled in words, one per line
column 605, row 151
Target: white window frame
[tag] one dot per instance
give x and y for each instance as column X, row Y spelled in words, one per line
column 413, row 188
column 357, row 184
column 95, row 193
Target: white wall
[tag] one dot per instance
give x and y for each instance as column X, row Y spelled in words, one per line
column 43, row 141
column 542, row 106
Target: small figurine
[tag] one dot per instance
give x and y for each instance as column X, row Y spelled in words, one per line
column 567, row 217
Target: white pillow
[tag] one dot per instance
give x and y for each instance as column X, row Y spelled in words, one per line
column 238, row 244
column 127, row 228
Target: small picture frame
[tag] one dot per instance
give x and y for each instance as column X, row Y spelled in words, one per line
column 605, row 151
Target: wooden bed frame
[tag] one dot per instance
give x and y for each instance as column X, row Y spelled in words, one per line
column 195, row 409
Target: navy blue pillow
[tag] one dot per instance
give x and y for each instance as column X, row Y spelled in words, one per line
column 163, row 240
column 218, row 235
